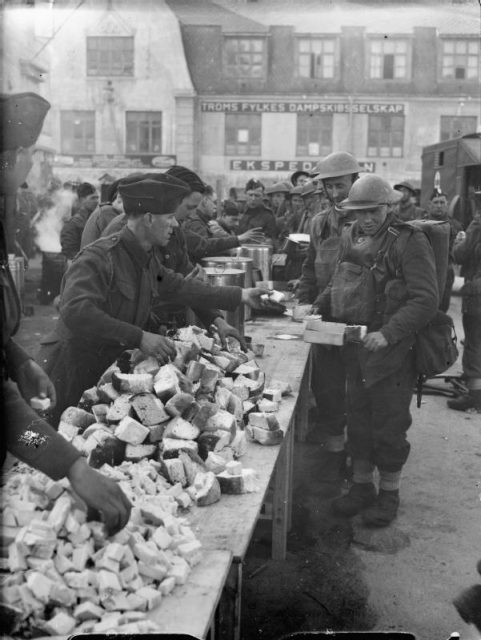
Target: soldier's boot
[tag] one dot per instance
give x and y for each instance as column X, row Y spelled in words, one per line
column 330, row 474
column 359, row 497
column 470, row 400
column 383, row 511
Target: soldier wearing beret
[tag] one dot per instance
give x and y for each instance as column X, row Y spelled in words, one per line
column 256, row 215
column 27, row 437
column 111, row 286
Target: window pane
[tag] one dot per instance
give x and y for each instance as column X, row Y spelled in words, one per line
column 143, row 131
column 401, row 46
column 385, row 136
column 242, row 134
column 244, row 57
column 314, row 134
column 304, row 46
column 375, row 46
column 460, row 46
column 388, row 46
column 110, row 56
column 473, row 47
column 449, row 46
column 329, row 46
column 77, row 131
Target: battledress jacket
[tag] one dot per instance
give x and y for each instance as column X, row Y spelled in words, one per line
column 408, row 300
column 23, row 433
column 174, row 256
column 106, row 301
column 97, row 222
column 261, row 217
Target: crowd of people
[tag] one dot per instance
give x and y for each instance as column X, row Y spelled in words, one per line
column 132, row 269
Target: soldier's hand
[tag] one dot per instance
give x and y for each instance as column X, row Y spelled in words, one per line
column 375, row 341
column 252, row 235
column 33, row 381
column 100, row 494
column 160, row 347
column 252, row 297
column 197, row 272
column 225, row 330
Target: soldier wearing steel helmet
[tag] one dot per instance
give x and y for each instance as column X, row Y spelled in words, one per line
column 337, row 171
column 385, row 278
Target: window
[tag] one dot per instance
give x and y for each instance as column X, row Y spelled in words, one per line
column 460, row 59
column 245, row 57
column 314, row 134
column 316, row 57
column 77, row 131
column 110, row 56
column 388, row 59
column 242, row 135
column 143, row 131
column 385, row 136
column 455, row 126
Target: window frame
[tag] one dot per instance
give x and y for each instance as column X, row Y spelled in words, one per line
column 452, row 119
column 230, row 69
column 63, row 137
column 387, row 129
column 151, row 127
column 314, row 118
column 468, row 39
column 371, row 39
column 312, row 39
column 110, row 71
column 236, row 148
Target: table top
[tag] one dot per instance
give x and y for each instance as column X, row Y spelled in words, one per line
column 229, row 524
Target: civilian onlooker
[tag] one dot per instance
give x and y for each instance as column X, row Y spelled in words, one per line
column 71, row 234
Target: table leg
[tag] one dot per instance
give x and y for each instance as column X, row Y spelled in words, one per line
column 229, row 610
column 281, row 498
column 302, row 405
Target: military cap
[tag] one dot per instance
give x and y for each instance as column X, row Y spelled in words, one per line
column 309, row 189
column 253, row 183
column 21, row 119
column 296, row 191
column 406, row 185
column 370, row 191
column 187, row 176
column 339, row 163
column 85, row 189
column 278, row 187
column 297, row 174
column 159, row 196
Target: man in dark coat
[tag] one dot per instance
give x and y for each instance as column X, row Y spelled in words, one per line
column 111, row 287
column 385, row 278
column 103, row 214
column 256, row 215
column 71, row 234
column 23, row 433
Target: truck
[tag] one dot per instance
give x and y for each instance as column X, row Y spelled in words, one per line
column 453, row 167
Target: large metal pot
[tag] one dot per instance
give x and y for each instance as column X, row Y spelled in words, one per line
column 229, row 277
column 261, row 255
column 220, row 263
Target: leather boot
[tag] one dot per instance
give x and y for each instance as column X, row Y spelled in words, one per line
column 470, row 400
column 359, row 497
column 383, row 511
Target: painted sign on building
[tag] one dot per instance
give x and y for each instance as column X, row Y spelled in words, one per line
column 116, row 161
column 220, row 106
column 287, row 165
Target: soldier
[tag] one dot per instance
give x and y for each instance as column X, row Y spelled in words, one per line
column 300, row 178
column 337, row 171
column 385, row 278
column 27, row 437
column 406, row 209
column 71, row 234
column 110, row 289
column 256, row 215
column 103, row 214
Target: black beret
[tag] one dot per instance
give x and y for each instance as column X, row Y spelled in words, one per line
column 188, row 176
column 21, row 119
column 159, row 196
column 85, row 189
column 253, row 184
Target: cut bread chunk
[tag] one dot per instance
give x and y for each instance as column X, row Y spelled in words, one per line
column 212, row 441
column 120, row 408
column 136, row 452
column 207, row 488
column 239, row 444
column 149, row 409
column 171, row 447
column 284, row 387
column 215, row 462
column 179, row 404
column 209, row 379
column 174, row 471
column 166, row 383
column 149, row 365
column 88, row 398
column 133, row 382
column 192, row 465
column 131, row 431
column 180, row 428
column 267, row 406
column 110, row 451
column 206, row 410
column 226, row 382
column 236, row 407
column 107, row 393
column 78, row 418
column 194, row 370
column 222, row 420
column 266, row 437
column 249, row 370
column 222, row 397
column 100, row 412
column 267, row 421
column 275, row 395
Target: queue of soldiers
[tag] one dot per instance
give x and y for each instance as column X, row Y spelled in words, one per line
column 133, row 268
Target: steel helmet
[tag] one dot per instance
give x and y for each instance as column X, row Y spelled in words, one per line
column 370, row 191
column 336, row 164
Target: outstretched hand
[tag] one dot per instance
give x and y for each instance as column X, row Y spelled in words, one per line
column 33, row 381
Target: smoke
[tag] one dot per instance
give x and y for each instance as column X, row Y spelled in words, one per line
column 50, row 221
